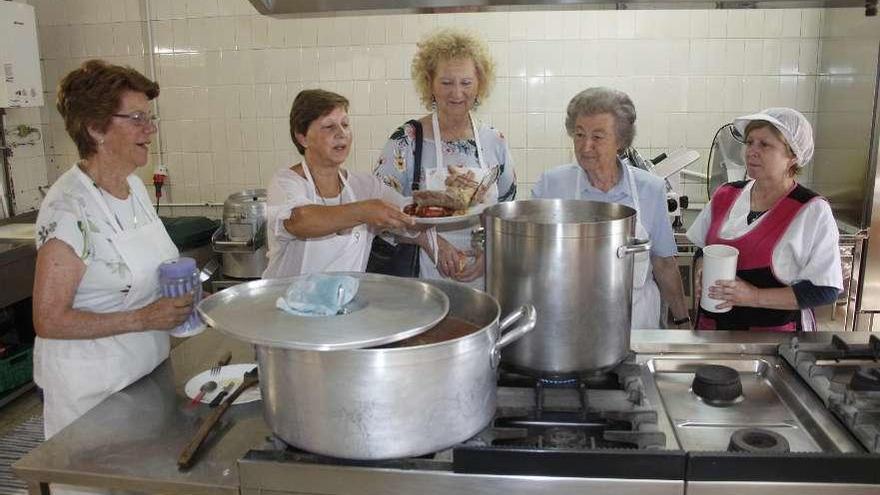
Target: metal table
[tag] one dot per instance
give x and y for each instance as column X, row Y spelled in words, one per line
column 131, row 440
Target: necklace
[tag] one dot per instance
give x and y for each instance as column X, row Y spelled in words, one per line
column 324, row 201
column 321, row 195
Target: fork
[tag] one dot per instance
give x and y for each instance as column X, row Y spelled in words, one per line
column 215, row 370
column 487, row 180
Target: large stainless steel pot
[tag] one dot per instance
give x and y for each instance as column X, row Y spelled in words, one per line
column 572, row 260
column 241, row 238
column 380, row 402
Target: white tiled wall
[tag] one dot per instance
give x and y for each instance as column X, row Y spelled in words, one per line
column 228, row 76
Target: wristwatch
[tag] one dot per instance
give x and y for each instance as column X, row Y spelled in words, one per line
column 681, row 321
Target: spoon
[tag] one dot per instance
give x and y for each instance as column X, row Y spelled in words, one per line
column 206, row 387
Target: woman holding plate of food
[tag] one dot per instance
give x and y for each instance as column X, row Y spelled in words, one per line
column 452, row 71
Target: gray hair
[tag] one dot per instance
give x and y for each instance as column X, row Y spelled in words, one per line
column 595, row 101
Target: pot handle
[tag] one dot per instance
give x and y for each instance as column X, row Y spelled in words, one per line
column 526, row 311
column 635, row 246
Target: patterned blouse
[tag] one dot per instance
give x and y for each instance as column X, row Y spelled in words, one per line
column 395, row 165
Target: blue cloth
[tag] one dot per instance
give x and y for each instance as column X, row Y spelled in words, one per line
column 561, row 183
column 317, row 294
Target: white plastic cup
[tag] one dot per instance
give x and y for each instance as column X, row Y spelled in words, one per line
column 719, row 263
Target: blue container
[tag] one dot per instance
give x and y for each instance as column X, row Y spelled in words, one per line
column 176, row 278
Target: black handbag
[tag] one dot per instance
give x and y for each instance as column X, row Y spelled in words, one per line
column 401, row 260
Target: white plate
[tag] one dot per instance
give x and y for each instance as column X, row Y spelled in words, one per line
column 471, row 212
column 229, row 373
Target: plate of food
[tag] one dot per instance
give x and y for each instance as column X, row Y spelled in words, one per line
column 463, row 198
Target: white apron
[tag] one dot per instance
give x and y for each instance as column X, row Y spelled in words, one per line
column 435, row 180
column 646, row 294
column 74, row 379
column 339, row 252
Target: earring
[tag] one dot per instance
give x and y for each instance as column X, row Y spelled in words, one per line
column 433, row 104
column 101, row 142
column 476, row 102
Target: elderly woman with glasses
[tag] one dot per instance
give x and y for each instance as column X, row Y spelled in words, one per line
column 789, row 260
column 601, row 123
column 100, row 321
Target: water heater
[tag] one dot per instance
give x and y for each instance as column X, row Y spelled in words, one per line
column 21, row 84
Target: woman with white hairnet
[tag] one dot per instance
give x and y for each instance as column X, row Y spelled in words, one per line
column 789, row 261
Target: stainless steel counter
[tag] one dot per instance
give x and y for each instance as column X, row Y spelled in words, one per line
column 131, row 440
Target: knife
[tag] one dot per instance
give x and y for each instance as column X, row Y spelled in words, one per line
column 185, row 460
column 219, row 398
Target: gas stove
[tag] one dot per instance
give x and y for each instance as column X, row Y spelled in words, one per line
column 656, row 424
column 846, row 377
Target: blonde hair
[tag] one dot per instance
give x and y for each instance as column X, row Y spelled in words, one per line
column 450, row 44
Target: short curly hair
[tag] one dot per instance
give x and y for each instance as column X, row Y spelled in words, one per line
column 89, row 96
column 450, row 44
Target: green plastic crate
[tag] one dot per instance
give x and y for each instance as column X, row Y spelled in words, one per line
column 17, row 369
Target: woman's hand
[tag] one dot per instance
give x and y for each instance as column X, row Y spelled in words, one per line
column 734, row 293
column 384, row 215
column 166, row 313
column 697, row 284
column 450, row 260
column 472, row 270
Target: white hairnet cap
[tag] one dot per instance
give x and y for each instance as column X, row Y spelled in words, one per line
column 792, row 124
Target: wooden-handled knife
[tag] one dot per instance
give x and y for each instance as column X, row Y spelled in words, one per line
column 187, row 456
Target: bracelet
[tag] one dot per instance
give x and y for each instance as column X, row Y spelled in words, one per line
column 681, row 321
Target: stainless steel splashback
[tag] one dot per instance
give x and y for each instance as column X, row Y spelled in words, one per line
column 284, row 8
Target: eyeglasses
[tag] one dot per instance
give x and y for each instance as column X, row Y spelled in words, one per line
column 140, row 119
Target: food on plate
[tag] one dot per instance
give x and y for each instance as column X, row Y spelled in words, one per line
column 462, row 191
column 428, row 211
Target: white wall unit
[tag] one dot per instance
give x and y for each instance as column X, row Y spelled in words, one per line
column 21, row 84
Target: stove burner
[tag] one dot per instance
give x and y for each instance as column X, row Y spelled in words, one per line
column 758, row 441
column 557, row 382
column 717, row 385
column 866, row 380
column 564, row 438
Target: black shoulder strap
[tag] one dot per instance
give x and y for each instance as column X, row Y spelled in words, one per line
column 417, row 156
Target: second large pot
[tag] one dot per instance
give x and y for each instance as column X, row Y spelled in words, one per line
column 573, row 260
column 392, row 402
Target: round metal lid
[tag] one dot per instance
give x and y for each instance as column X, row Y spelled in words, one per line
column 386, row 309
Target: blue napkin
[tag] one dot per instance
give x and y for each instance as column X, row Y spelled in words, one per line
column 318, row 295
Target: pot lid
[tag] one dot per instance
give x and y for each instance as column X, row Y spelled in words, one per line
column 386, row 309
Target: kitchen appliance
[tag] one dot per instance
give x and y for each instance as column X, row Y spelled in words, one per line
column 669, row 167
column 241, row 238
column 21, row 84
column 324, row 393
column 846, row 377
column 572, row 260
column 726, row 158
column 640, row 429
column 287, row 8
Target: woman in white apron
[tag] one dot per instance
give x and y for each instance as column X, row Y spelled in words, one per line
column 452, row 71
column 100, row 321
column 601, row 123
column 321, row 217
